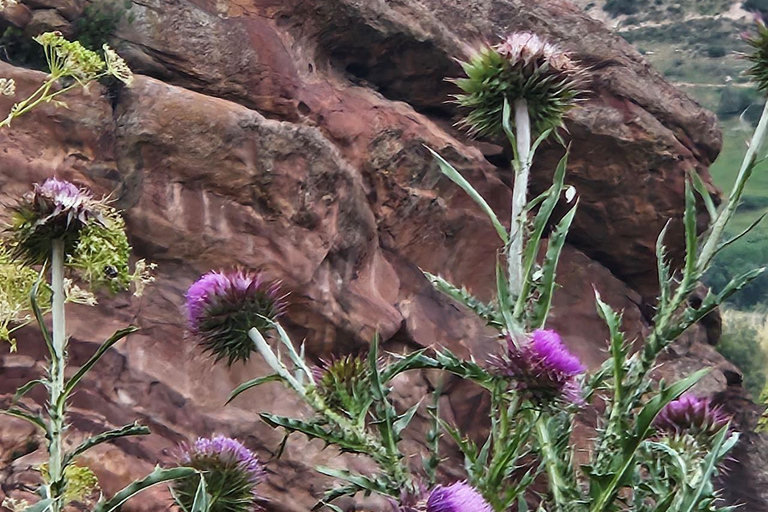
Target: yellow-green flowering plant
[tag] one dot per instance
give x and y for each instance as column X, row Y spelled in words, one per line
column 71, row 66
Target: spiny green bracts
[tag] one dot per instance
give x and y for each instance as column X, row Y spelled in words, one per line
column 344, row 384
column 759, row 56
column 522, row 66
column 231, row 473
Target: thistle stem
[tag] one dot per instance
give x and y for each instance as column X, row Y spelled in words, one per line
column 58, row 401
column 556, row 480
column 519, row 198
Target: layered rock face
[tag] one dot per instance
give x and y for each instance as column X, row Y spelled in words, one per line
column 290, row 136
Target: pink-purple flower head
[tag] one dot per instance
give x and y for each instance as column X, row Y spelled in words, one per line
column 223, row 306
column 458, row 497
column 691, row 415
column 55, row 209
column 231, row 471
column 543, row 369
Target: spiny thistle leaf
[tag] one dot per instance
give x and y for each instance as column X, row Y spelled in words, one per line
column 485, row 311
column 157, row 476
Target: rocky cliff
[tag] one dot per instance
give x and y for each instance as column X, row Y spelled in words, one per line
column 289, row 136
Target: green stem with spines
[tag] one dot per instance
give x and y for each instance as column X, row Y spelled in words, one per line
column 548, row 452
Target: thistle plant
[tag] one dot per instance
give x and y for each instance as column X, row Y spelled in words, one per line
column 71, row 66
column 60, row 230
column 657, row 447
column 228, row 472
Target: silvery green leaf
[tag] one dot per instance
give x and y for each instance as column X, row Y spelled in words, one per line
column 110, row 435
column 252, row 384
column 604, row 490
column 36, row 420
column 531, row 249
column 109, row 343
column 701, row 188
column 157, row 476
column 546, row 288
column 40, row 506
column 202, row 501
column 23, row 390
column 402, row 422
column 459, row 180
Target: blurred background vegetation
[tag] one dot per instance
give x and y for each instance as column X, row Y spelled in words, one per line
column 696, row 45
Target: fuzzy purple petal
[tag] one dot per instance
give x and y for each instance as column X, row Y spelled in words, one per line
column 458, row 497
column 690, row 414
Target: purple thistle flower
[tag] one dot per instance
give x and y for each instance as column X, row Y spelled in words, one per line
column 231, row 473
column 55, row 209
column 223, row 306
column 458, row 497
column 691, row 415
column 543, row 369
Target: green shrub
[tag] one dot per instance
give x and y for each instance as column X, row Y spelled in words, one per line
column 735, row 100
column 99, row 21
column 742, row 344
column 20, row 50
column 716, row 51
column 756, row 5
column 619, row 7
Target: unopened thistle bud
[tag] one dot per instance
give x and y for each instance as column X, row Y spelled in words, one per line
column 542, row 369
column 231, row 471
column 223, row 306
column 344, row 384
column 522, row 66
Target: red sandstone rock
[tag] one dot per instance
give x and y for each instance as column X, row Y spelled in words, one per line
column 289, row 136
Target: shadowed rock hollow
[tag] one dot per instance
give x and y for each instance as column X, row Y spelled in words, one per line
column 289, row 136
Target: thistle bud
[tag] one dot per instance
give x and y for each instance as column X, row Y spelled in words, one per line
column 344, row 384
column 691, row 415
column 542, row 369
column 95, row 243
column 57, row 209
column 223, row 306
column 522, row 66
column 231, row 471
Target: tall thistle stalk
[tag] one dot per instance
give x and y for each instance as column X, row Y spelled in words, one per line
column 58, row 363
column 519, row 198
column 61, row 227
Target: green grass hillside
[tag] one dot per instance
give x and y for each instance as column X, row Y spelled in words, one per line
column 696, row 44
